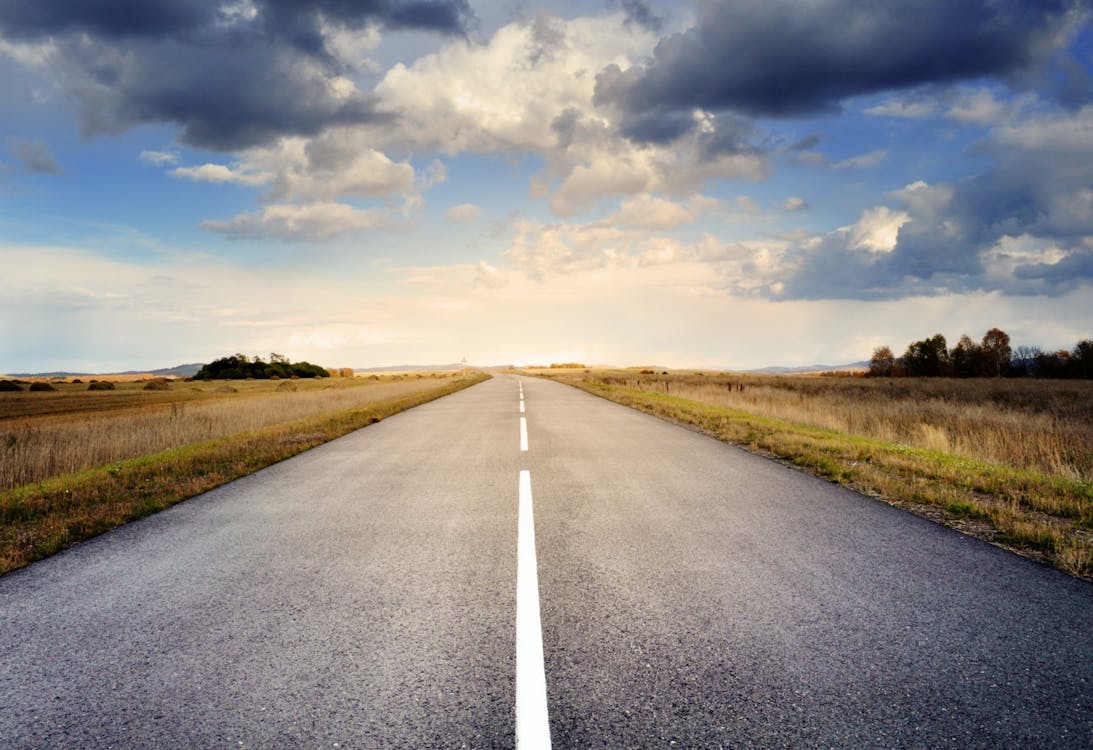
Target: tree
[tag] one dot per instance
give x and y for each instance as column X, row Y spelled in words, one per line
column 240, row 366
column 1053, row 364
column 996, row 352
column 1023, row 361
column 882, row 362
column 927, row 358
column 1081, row 359
column 966, row 358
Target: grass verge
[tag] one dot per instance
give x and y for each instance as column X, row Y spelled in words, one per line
column 41, row 519
column 1045, row 517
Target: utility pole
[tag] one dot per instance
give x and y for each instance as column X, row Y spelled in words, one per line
column 464, row 362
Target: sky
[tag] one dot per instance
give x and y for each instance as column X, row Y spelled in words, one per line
column 719, row 183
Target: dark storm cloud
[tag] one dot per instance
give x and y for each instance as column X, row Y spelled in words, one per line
column 110, row 19
column 159, row 18
column 784, row 57
column 231, row 75
column 638, row 12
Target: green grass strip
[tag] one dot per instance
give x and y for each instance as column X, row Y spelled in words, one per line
column 1048, row 518
column 41, row 519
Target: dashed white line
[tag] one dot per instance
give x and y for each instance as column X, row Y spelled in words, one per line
column 523, row 433
column 532, row 722
column 521, row 406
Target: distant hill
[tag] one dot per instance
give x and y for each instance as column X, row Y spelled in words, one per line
column 178, row 371
column 811, row 368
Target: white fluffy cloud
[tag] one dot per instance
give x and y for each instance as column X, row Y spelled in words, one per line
column 340, row 163
column 308, row 180
column 653, row 212
column 507, row 93
column 877, row 229
column 530, row 88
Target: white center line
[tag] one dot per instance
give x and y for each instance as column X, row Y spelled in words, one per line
column 532, row 723
column 521, row 406
column 523, row 433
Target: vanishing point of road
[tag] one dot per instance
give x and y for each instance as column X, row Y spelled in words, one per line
column 523, row 564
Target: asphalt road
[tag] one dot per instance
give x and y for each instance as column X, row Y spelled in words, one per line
column 364, row 594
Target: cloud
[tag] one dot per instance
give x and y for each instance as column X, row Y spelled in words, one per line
column 508, row 93
column 783, row 58
column 908, row 108
column 433, row 175
column 964, row 104
column 489, row 277
column 1023, row 226
column 463, row 213
column 218, row 173
column 312, row 221
column 654, row 212
column 193, row 308
column 35, row 155
column 339, row 163
column 862, row 161
column 159, row 158
column 638, row 12
column 543, row 250
column 230, row 75
column 794, row 203
column 530, row 88
column 296, row 20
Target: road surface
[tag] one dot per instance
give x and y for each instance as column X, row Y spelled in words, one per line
column 672, row 591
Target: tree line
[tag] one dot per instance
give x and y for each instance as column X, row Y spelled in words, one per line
column 241, row 367
column 991, row 357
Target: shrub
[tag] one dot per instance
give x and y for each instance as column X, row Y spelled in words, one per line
column 241, row 367
column 41, row 387
column 101, row 385
column 10, row 385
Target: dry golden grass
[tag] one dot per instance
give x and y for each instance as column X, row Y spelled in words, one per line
column 45, row 516
column 102, row 427
column 1030, row 424
column 1006, row 461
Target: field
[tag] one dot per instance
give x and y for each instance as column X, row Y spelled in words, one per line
column 1010, row 461
column 76, row 462
column 44, row 435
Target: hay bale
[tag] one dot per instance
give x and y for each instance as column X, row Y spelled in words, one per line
column 42, row 387
column 225, row 389
column 100, row 385
column 10, row 386
column 157, row 384
column 287, row 385
column 76, row 380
